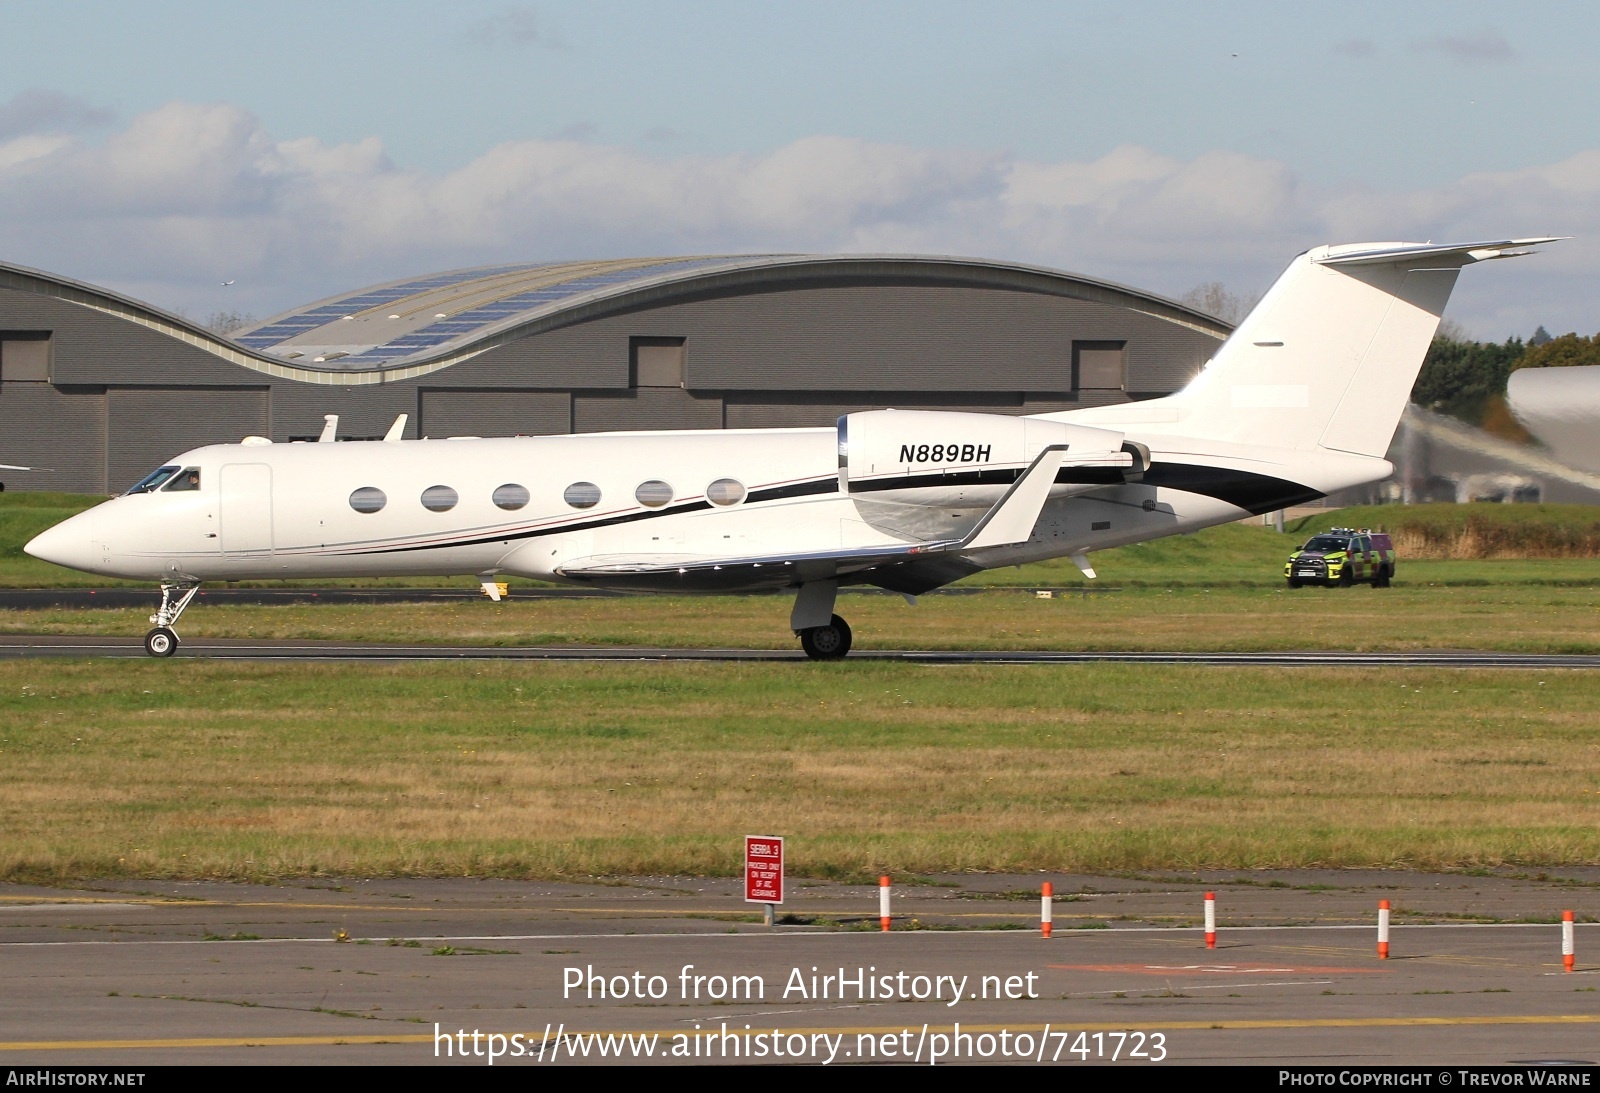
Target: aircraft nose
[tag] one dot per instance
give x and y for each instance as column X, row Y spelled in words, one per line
column 69, row 543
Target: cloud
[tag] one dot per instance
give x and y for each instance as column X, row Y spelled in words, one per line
column 1356, row 48
column 578, row 130
column 37, row 111
column 190, row 194
column 515, row 27
column 1475, row 47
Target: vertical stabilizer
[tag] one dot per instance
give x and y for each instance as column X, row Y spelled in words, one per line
column 1330, row 354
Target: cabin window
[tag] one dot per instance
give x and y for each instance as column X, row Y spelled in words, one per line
column 184, row 481
column 653, row 494
column 153, row 480
column 439, row 498
column 368, row 499
column 725, row 491
column 582, row 495
column 511, row 496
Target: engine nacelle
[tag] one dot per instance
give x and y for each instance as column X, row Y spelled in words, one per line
column 914, row 448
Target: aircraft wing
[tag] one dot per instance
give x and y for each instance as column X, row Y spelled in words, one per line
column 754, row 571
column 1010, row 521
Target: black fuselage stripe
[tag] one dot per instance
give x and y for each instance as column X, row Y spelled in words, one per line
column 1256, row 493
column 1066, row 476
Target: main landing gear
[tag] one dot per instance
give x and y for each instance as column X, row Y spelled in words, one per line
column 830, row 641
column 823, row 635
column 163, row 640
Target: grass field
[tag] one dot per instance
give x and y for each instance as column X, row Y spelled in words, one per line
column 196, row 768
column 212, row 769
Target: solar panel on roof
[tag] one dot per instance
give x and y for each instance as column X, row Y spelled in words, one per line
column 464, row 323
column 310, row 318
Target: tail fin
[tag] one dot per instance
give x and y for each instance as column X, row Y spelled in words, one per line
column 1330, row 354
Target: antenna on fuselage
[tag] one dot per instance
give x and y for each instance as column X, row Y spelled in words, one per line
column 397, row 431
column 330, row 429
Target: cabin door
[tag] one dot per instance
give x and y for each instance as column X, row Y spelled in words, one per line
column 246, row 509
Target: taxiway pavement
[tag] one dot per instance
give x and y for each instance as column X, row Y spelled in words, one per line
column 376, row 971
column 14, row 646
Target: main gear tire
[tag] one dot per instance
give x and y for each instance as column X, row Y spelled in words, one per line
column 829, row 642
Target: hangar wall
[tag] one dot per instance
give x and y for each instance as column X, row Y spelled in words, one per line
column 120, row 398
column 855, row 338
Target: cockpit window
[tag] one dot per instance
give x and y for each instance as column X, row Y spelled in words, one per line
column 186, row 479
column 153, row 480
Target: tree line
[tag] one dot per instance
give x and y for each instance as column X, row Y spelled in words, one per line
column 1467, row 379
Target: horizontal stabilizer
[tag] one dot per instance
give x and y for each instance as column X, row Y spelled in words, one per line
column 1454, row 254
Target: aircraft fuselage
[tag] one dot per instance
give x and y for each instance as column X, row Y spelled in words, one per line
column 264, row 511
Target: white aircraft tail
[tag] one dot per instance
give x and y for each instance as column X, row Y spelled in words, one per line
column 1330, row 354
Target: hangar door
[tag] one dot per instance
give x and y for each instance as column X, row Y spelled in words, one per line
column 246, row 508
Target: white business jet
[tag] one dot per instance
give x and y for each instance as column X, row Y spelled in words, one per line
column 1301, row 401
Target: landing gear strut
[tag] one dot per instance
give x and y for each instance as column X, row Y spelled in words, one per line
column 827, row 642
column 163, row 640
column 823, row 635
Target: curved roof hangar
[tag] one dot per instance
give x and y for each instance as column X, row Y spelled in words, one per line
column 410, row 327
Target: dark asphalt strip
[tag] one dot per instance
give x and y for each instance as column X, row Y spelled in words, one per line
column 15, row 646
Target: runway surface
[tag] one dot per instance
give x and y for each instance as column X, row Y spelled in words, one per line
column 329, row 970
column 14, row 646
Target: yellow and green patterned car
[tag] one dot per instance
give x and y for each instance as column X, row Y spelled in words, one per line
column 1343, row 556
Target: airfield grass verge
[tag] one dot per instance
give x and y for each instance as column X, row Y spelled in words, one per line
column 253, row 771
column 1517, row 618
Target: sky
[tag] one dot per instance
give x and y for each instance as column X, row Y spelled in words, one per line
column 303, row 149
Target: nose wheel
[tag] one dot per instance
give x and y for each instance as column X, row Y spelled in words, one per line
column 163, row 640
column 827, row 642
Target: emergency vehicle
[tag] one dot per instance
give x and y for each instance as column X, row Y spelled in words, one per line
column 1343, row 556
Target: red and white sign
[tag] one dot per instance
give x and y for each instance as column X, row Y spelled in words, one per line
column 763, row 869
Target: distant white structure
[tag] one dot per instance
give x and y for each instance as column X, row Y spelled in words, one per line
column 1560, row 406
column 1505, row 488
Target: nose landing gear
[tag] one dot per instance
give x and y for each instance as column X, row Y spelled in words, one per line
column 163, row 640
